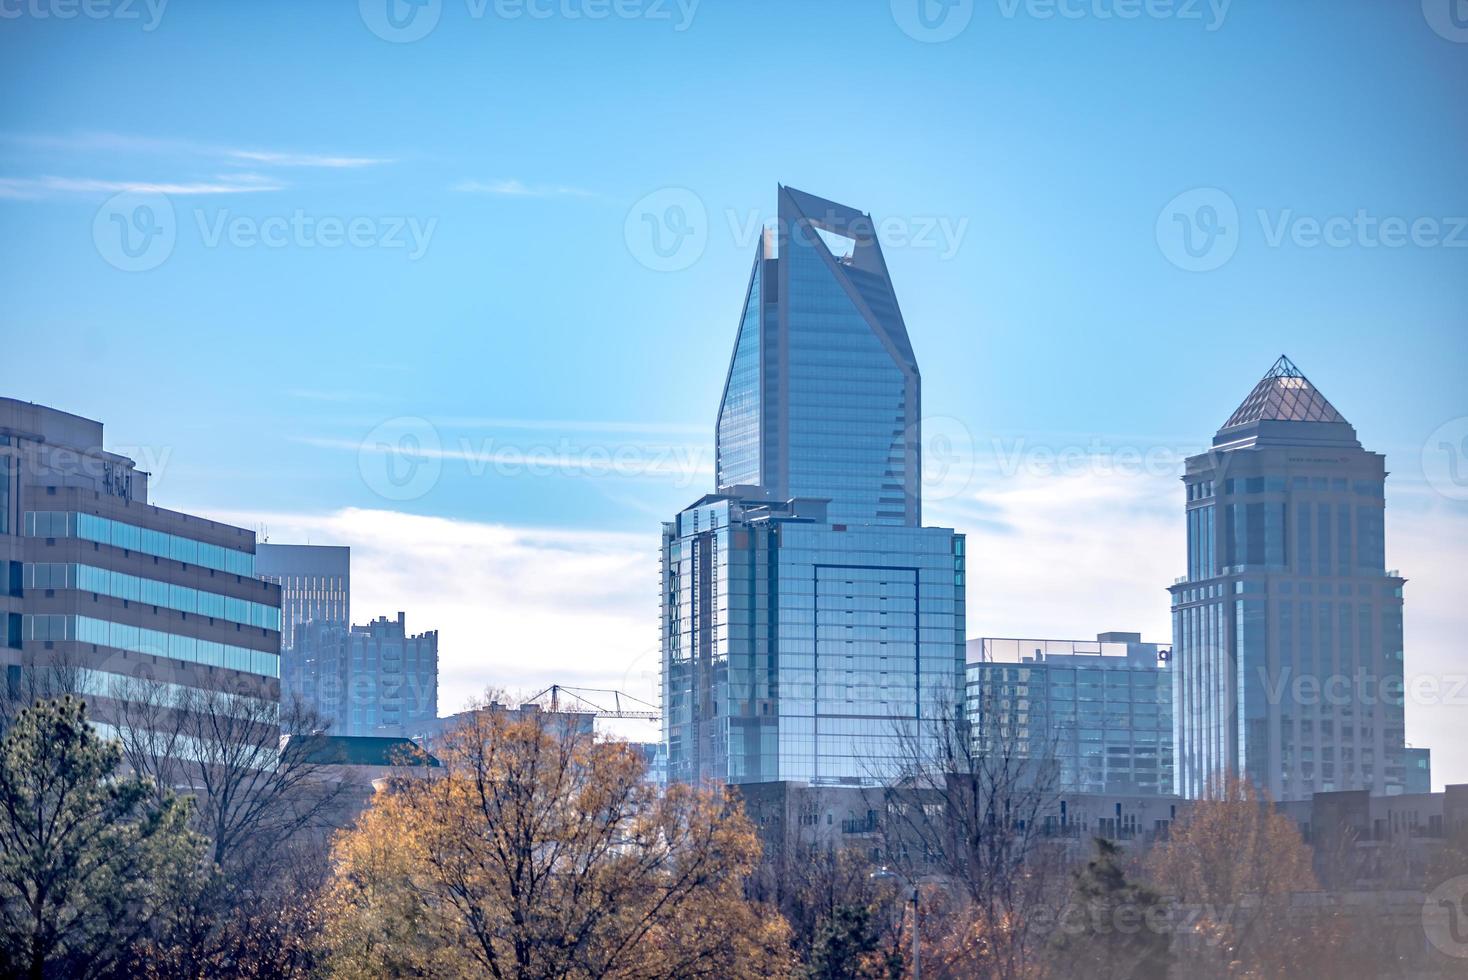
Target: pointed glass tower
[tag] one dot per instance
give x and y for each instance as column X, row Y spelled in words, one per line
column 1287, row 628
column 822, row 395
column 811, row 628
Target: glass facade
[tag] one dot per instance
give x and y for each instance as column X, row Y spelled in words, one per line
column 103, row 530
column 1101, row 710
column 1287, row 630
column 134, row 588
column 821, row 399
column 136, row 639
column 795, row 649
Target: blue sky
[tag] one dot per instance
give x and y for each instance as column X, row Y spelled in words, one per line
column 1038, row 170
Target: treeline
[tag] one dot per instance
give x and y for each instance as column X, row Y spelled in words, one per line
column 529, row 853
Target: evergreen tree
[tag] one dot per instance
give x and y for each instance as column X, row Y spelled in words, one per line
column 1113, row 928
column 91, row 863
column 847, row 945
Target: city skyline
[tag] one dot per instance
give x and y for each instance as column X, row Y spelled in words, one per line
column 1065, row 341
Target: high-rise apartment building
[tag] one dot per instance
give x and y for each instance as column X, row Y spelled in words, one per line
column 1287, row 628
column 376, row 679
column 811, row 629
column 1099, row 710
column 104, row 588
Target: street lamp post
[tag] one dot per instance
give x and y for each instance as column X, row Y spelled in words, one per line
column 883, row 873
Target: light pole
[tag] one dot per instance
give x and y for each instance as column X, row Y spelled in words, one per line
column 884, row 874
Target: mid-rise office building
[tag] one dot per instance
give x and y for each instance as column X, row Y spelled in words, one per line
column 1095, row 715
column 105, row 588
column 315, row 587
column 376, row 680
column 811, row 628
column 1287, row 627
column 315, row 584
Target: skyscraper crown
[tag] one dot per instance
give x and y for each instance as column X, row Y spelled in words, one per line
column 1284, row 395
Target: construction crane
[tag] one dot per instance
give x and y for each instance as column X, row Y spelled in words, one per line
column 637, row 708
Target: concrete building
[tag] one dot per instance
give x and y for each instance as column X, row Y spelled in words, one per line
column 1100, row 709
column 808, row 620
column 1287, row 627
column 372, row 680
column 105, row 588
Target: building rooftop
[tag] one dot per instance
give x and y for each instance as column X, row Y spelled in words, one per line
column 1284, row 394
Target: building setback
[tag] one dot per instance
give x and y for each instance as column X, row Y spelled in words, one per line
column 105, row 589
column 1099, row 710
column 1287, row 627
column 810, row 626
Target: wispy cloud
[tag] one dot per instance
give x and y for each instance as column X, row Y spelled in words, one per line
column 510, row 187
column 304, row 159
column 29, row 188
column 129, row 143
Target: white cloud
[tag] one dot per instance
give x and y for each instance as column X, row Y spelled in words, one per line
column 279, row 159
column 517, row 608
column 1068, row 556
column 28, row 188
column 514, row 188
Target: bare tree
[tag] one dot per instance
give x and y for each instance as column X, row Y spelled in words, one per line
column 253, row 766
column 969, row 811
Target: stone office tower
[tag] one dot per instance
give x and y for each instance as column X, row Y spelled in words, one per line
column 1287, row 628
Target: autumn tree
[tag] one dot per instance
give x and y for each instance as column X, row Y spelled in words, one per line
column 91, row 862
column 1232, row 864
column 532, row 852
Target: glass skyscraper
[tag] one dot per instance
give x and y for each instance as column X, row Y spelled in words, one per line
column 822, row 394
column 808, row 622
column 1287, row 628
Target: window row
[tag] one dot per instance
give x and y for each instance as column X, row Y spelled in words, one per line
column 135, row 639
column 135, row 588
column 103, row 530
